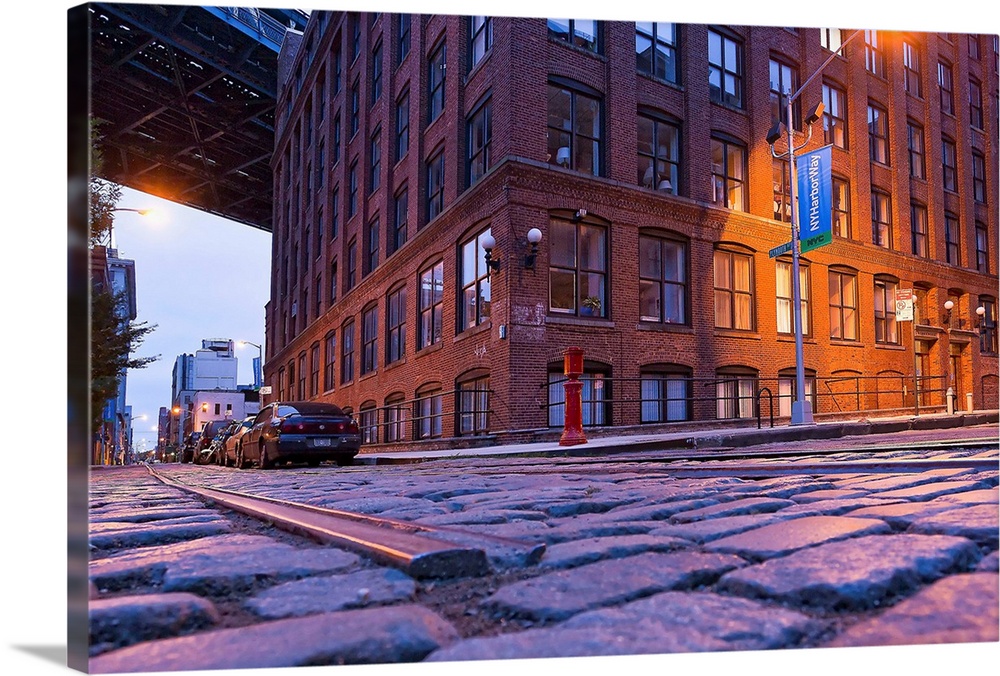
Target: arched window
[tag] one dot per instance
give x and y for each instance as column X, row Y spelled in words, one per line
column 734, row 288
column 473, row 402
column 886, row 329
column 427, row 412
column 787, row 392
column 666, row 393
column 368, row 422
column 596, row 394
column 735, row 392
column 395, row 418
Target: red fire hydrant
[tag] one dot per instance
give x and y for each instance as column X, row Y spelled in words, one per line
column 573, row 419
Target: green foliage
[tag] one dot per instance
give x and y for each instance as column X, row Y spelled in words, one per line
column 104, row 195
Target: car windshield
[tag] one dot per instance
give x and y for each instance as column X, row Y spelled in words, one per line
column 309, row 408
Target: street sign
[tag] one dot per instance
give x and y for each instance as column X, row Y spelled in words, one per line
column 778, row 250
column 815, row 183
column 265, row 389
column 904, row 305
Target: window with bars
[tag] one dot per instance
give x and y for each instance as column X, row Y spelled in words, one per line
column 427, row 412
column 725, row 69
column 595, row 394
column 368, row 422
column 395, row 418
column 395, row 322
column 734, row 290
column 665, row 393
column 834, row 115
column 663, row 280
column 786, row 298
column 843, row 305
column 885, row 312
column 658, row 154
column 474, row 301
column 787, row 392
column 656, row 48
column 735, row 392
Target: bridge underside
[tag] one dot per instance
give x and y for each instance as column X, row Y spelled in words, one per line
column 187, row 103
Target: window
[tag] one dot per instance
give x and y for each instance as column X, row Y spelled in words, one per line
column 946, row 87
column 302, row 376
column 371, row 247
column 427, row 412
column 784, row 83
column 725, row 69
column 474, row 303
column 329, row 367
column 395, row 418
column 435, row 185
column 834, row 116
column 874, row 59
column 582, row 33
column 577, row 268
column 352, row 186
column 878, row 134
column 352, row 265
column 911, row 69
column 666, row 394
column 881, row 220
column 402, row 125
column 355, row 107
column 915, row 143
column 333, row 282
column 830, row 38
column 377, row 72
column 974, row 47
column 734, row 302
column 948, row 164
column 335, row 150
column 574, row 130
column 787, row 390
column 435, row 82
column 982, row 248
column 281, row 383
column 335, row 213
column 291, row 379
column 728, row 171
column 375, row 175
column 403, row 37
column 368, row 422
column 319, row 295
column 480, row 38
column 663, row 280
column 843, row 305
column 355, row 36
column 988, row 325
column 397, row 238
column 431, row 302
column 782, row 190
column 952, row 239
column 659, row 154
column 841, row 208
column 320, row 164
column 885, row 312
column 337, row 72
column 978, row 177
column 347, row 352
column 918, row 230
column 314, row 370
column 395, row 321
column 474, row 405
column 735, row 392
column 369, row 339
column 975, row 104
column 656, row 50
column 785, row 298
column 480, row 132
column 596, row 395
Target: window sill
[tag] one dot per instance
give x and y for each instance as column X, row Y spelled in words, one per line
column 482, row 327
column 736, row 333
column 593, row 322
column 429, row 349
column 659, row 80
column 579, row 50
column 368, row 376
column 890, row 346
column 662, row 327
column 835, row 342
column 729, row 106
column 790, row 338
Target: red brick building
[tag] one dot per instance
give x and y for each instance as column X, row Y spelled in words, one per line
column 639, row 153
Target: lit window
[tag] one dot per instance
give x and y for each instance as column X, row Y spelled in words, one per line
column 785, row 298
column 728, row 172
column 843, row 305
column 577, row 268
column 474, row 302
column 574, row 130
column 734, row 290
column 431, row 300
column 885, row 312
column 659, row 154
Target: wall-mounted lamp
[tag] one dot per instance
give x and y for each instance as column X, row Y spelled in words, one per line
column 946, row 317
column 579, row 215
column 980, row 313
column 489, row 242
column 534, row 237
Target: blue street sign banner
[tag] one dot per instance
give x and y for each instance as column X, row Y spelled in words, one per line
column 815, row 198
column 778, row 250
column 257, row 380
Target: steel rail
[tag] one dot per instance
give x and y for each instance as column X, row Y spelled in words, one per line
column 419, row 550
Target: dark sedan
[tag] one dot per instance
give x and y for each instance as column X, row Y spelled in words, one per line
column 301, row 431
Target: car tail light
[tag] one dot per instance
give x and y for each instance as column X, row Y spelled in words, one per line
column 291, row 427
column 352, row 427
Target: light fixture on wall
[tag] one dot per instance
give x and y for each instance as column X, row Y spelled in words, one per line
column 980, row 313
column 489, row 242
column 534, row 237
column 946, row 317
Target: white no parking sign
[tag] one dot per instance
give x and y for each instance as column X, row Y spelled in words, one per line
column 904, row 305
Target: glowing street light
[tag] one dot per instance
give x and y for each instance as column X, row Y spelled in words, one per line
column 258, row 374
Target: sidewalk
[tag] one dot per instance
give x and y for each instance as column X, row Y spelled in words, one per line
column 706, row 439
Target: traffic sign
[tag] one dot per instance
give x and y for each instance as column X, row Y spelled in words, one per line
column 904, row 305
column 778, row 250
column 265, row 389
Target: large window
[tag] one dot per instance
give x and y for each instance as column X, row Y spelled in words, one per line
column 375, row 174
column 784, row 82
column 663, row 280
column 785, row 298
column 728, row 174
column 474, row 405
column 371, row 247
column 329, row 366
column 314, row 370
column 782, row 189
column 402, row 125
column 333, row 282
column 874, row 58
column 656, row 50
column 911, row 69
column 368, row 422
column 659, row 154
column 830, row 38
column 948, row 165
column 725, row 69
column 885, row 312
column 431, row 301
column 402, row 36
column 397, row 238
column 666, row 394
column 376, row 83
column 946, row 87
column 435, row 82
column 369, row 339
column 355, row 107
column 735, row 392
column 352, row 189
column 435, row 185
column 395, row 418
column 881, row 220
column 474, row 303
column 918, row 230
column 595, row 393
column 347, row 352
column 734, row 290
column 982, row 248
column 843, row 305
column 787, row 392
column 952, row 239
column 834, row 115
column 978, row 177
column 427, row 412
column 915, row 143
column 302, row 394
column 578, row 260
column 352, row 265
column 975, row 104
column 395, row 321
column 841, row 204
column 574, row 129
column 479, row 135
column 582, row 33
column 988, row 325
column 878, row 134
column 480, row 38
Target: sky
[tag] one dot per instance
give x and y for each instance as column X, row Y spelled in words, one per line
column 198, row 276
column 35, row 481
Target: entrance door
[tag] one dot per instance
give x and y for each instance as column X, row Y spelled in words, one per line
column 956, row 374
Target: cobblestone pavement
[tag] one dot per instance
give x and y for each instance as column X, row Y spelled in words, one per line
column 637, row 561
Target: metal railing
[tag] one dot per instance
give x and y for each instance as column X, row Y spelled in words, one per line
column 424, row 418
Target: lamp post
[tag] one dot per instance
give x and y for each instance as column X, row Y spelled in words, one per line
column 111, row 225
column 260, row 359
column 802, row 413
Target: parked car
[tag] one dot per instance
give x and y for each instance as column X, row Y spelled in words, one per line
column 205, row 452
column 301, row 431
column 190, row 446
column 232, row 455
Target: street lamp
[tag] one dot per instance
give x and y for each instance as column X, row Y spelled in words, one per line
column 111, row 224
column 802, row 413
column 260, row 359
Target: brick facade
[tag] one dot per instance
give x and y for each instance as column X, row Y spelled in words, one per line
column 522, row 339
